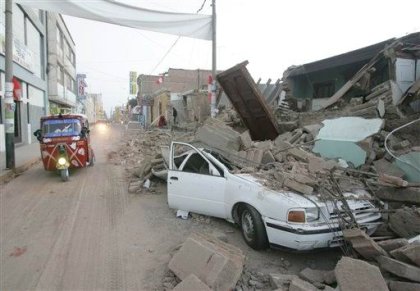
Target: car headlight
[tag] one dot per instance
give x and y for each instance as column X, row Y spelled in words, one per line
column 62, row 161
column 312, row 214
column 303, row 215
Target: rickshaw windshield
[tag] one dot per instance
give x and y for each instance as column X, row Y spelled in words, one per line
column 61, row 127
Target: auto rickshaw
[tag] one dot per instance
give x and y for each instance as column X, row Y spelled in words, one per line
column 65, row 143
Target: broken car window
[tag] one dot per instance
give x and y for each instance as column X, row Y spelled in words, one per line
column 196, row 164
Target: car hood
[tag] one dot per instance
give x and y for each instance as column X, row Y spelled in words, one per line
column 356, row 197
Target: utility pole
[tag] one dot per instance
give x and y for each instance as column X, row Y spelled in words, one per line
column 8, row 100
column 213, row 89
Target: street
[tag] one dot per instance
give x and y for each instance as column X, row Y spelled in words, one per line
column 90, row 233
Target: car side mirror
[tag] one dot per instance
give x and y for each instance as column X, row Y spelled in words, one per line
column 38, row 134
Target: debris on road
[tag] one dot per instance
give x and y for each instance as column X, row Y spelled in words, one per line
column 217, row 264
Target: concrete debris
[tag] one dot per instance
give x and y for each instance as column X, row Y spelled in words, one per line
column 363, row 244
column 358, row 275
column 405, row 222
column 218, row 264
column 399, row 268
column 407, row 195
column 191, row 282
column 392, row 244
column 251, row 280
column 392, row 180
column 298, row 187
column 246, row 141
column 408, row 253
column 281, row 281
column 403, row 286
column 217, row 135
column 318, row 276
column 299, row 285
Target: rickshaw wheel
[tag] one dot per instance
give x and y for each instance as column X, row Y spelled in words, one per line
column 64, row 174
column 92, row 162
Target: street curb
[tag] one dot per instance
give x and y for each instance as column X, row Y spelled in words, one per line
column 9, row 175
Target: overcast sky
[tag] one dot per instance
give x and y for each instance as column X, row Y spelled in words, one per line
column 270, row 34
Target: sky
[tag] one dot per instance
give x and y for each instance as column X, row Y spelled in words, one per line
column 271, row 34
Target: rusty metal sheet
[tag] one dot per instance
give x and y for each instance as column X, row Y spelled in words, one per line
column 248, row 102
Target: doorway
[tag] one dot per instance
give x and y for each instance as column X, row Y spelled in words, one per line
column 18, row 127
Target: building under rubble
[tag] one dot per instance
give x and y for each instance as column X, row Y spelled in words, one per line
column 394, row 60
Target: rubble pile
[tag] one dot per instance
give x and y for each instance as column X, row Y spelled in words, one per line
column 146, row 152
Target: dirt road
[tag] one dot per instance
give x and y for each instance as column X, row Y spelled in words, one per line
column 89, row 233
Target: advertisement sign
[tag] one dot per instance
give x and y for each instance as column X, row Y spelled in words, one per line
column 21, row 54
column 133, row 83
column 81, row 86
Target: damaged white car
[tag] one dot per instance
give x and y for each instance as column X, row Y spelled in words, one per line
column 200, row 181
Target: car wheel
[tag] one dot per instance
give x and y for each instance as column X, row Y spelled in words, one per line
column 253, row 229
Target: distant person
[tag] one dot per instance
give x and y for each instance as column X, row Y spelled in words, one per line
column 174, row 114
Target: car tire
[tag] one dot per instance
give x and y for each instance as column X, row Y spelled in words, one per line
column 253, row 228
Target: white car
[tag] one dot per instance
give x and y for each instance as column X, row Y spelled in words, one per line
column 199, row 181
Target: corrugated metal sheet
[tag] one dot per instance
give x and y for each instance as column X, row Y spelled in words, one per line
column 247, row 100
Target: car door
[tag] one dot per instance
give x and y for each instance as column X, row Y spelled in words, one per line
column 194, row 184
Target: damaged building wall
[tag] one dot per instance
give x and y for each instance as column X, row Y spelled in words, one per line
column 160, row 104
column 394, row 59
column 197, row 106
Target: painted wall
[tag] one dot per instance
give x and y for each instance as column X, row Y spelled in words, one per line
column 160, row 106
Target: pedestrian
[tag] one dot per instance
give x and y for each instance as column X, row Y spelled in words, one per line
column 174, row 114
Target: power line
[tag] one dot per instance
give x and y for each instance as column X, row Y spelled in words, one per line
column 169, row 50
column 172, row 46
column 202, row 6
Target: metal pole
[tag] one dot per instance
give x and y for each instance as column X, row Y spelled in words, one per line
column 213, row 89
column 8, row 100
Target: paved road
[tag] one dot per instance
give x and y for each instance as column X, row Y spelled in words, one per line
column 57, row 235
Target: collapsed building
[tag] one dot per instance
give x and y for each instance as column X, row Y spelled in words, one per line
column 360, row 131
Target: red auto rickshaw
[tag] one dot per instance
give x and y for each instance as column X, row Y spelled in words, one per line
column 65, row 143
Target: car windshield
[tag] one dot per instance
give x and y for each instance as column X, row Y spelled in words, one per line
column 61, row 127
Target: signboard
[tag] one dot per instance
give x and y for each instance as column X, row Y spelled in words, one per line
column 81, row 86
column 21, row 54
column 133, row 83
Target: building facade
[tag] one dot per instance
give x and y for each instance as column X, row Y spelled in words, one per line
column 29, row 71
column 61, row 66
column 158, row 95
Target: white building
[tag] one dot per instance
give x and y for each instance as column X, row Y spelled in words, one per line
column 29, row 70
column 61, row 66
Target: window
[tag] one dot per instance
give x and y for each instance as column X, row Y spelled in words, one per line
column 61, row 127
column 324, row 89
column 18, row 24
column 67, row 49
column 34, row 44
column 59, row 39
column 72, row 58
column 196, row 164
column 60, row 75
column 69, row 82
